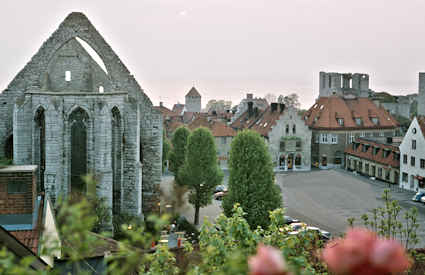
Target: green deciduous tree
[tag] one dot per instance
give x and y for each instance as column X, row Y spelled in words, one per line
column 251, row 180
column 200, row 172
column 166, row 148
column 178, row 152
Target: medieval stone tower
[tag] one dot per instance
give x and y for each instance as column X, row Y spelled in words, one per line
column 343, row 84
column 68, row 115
column 193, row 101
column 421, row 95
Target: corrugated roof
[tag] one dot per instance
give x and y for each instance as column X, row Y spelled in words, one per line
column 325, row 112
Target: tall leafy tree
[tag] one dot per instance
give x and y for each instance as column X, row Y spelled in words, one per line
column 251, row 179
column 200, row 172
column 178, row 152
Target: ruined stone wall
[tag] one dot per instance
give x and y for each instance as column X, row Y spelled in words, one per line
column 142, row 140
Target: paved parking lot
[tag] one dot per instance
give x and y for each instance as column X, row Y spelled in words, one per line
column 326, row 198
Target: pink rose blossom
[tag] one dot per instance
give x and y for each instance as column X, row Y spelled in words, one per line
column 267, row 261
column 362, row 252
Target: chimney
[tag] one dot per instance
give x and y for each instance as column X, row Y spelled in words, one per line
column 281, row 107
column 250, row 96
column 274, row 107
column 250, row 108
column 160, row 104
column 18, row 190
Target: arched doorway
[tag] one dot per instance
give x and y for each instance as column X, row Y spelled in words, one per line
column 78, row 122
column 282, row 160
column 40, row 145
column 117, row 136
column 290, row 161
column 298, row 160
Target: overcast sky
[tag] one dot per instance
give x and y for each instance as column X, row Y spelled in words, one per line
column 226, row 48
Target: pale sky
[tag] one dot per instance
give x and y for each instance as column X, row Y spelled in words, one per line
column 226, row 48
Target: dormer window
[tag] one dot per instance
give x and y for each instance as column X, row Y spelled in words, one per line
column 374, row 120
column 358, row 121
column 340, row 121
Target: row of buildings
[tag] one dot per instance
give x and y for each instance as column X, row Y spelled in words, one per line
column 349, row 126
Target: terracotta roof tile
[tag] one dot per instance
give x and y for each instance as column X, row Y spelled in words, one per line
column 390, row 160
column 29, row 238
column 217, row 128
column 165, row 111
column 265, row 122
column 324, row 113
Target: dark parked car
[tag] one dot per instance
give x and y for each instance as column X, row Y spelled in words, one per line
column 289, row 220
column 220, row 188
column 418, row 196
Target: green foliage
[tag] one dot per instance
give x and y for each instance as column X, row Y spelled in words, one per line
column 251, row 180
column 166, row 148
column 5, row 162
column 182, row 224
column 200, row 172
column 389, row 221
column 178, row 152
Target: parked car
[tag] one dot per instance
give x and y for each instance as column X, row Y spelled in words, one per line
column 220, row 188
column 322, row 233
column 423, row 199
column 418, row 196
column 289, row 220
column 219, row 195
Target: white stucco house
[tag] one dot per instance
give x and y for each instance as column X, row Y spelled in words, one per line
column 412, row 156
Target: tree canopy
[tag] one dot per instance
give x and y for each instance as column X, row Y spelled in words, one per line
column 251, row 179
column 178, row 152
column 200, row 171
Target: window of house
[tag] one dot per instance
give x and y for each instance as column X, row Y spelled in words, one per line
column 404, row 159
column 363, row 148
column 334, row 139
column 379, row 172
column 223, row 140
column 282, row 146
column 375, row 120
column 287, row 129
column 298, row 144
column 294, row 129
column 423, row 163
column 413, row 144
column 387, row 175
column 412, row 161
column 340, row 121
column 17, row 187
column 352, row 137
column 324, row 138
column 386, row 153
column 404, row 177
column 316, row 138
column 360, row 167
column 366, row 167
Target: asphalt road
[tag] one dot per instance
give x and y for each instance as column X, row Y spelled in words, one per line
column 327, row 198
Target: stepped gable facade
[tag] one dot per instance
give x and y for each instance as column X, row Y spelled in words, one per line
column 68, row 115
column 336, row 122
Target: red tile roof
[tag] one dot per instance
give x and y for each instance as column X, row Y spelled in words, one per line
column 193, row 93
column 325, row 112
column 390, row 160
column 217, row 128
column 29, row 238
column 264, row 123
column 165, row 111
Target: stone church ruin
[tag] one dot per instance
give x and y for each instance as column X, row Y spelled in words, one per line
column 69, row 116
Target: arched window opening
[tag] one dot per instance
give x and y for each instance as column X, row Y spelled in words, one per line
column 8, row 148
column 93, row 54
column 78, row 121
column 117, row 168
column 40, row 145
column 68, row 76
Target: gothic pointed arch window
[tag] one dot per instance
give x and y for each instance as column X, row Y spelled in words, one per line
column 40, row 145
column 8, row 148
column 117, row 164
column 78, row 123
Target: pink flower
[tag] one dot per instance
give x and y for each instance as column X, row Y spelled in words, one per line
column 362, row 252
column 267, row 261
